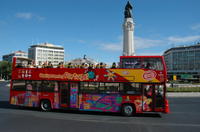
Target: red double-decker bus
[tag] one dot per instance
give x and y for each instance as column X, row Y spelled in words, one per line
column 138, row 85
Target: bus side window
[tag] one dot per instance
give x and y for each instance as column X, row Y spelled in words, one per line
column 37, row 86
column 47, row 86
column 132, row 88
column 31, row 85
column 148, row 91
column 19, row 85
column 112, row 87
column 153, row 63
column 101, row 88
column 89, row 87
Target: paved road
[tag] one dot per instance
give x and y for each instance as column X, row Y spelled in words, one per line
column 184, row 117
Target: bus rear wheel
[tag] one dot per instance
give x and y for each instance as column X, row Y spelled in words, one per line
column 128, row 110
column 45, row 105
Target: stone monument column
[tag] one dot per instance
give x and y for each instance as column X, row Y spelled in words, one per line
column 128, row 30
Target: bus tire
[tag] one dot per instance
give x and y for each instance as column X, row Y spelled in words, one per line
column 128, row 110
column 45, row 105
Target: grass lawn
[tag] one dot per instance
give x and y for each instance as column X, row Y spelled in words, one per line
column 183, row 89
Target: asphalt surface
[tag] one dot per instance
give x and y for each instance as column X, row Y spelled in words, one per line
column 184, row 117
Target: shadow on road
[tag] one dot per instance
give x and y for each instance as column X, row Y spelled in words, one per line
column 6, row 105
column 154, row 115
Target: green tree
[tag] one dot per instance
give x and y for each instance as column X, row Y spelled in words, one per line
column 5, row 70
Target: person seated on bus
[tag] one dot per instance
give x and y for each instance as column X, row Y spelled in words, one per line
column 137, row 65
column 148, row 65
column 39, row 65
column 114, row 65
column 149, row 91
column 74, row 66
column 69, row 65
column 44, row 65
column 101, row 65
column 33, row 64
column 97, row 66
column 49, row 65
column 60, row 65
column 29, row 65
column 78, row 66
column 91, row 66
column 86, row 65
column 19, row 65
column 104, row 65
column 82, row 65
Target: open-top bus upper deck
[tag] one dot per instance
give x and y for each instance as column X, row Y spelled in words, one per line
column 141, row 69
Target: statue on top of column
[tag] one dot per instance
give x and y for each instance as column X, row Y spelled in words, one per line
column 127, row 12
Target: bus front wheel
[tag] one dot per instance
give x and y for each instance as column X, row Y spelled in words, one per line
column 128, row 110
column 45, row 105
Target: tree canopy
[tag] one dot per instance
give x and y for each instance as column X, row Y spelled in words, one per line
column 5, row 70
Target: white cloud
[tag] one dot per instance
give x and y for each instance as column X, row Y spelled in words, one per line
column 117, row 46
column 39, row 18
column 186, row 39
column 142, row 43
column 149, row 53
column 24, row 15
column 81, row 41
column 196, row 27
column 111, row 46
column 28, row 16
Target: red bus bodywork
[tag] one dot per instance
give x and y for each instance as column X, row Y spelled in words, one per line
column 72, row 77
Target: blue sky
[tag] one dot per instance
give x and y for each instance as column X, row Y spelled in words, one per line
column 94, row 27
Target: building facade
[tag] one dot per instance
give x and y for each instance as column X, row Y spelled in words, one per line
column 9, row 57
column 183, row 62
column 45, row 53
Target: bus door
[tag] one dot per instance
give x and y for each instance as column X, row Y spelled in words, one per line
column 64, row 94
column 74, row 95
column 148, row 98
column 159, row 96
column 152, row 97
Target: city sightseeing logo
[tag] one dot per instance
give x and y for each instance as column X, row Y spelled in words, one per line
column 149, row 75
column 66, row 75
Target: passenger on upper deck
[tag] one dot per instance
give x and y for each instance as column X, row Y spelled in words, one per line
column 69, row 65
column 86, row 65
column 97, row 66
column 31, row 64
column 39, row 65
column 60, row 65
column 91, row 66
column 49, row 65
column 82, row 65
column 101, row 65
column 148, row 65
column 44, row 65
column 114, row 65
